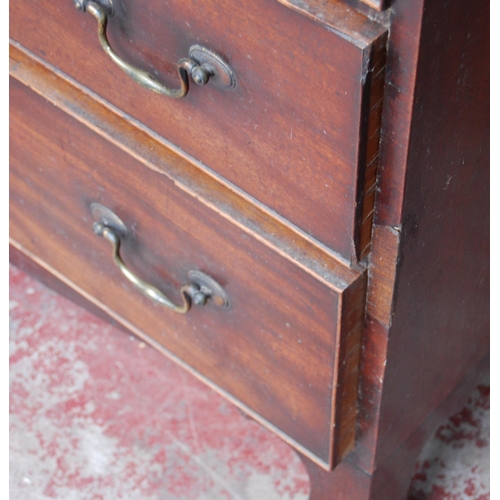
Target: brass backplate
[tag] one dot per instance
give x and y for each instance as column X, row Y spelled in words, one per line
column 211, row 288
column 223, row 76
column 108, row 218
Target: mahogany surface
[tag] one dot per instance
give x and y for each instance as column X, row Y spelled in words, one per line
column 299, row 83
column 119, row 129
column 425, row 339
column 440, row 321
column 266, row 350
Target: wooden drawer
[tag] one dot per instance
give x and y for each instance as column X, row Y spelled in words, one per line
column 286, row 350
column 301, row 124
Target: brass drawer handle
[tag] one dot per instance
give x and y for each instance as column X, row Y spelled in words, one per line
column 202, row 64
column 199, row 289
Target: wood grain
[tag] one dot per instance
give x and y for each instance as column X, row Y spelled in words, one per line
column 346, row 379
column 421, row 342
column 352, row 24
column 277, row 349
column 427, row 290
column 119, row 129
column 382, row 277
column 299, row 83
column 397, row 115
column 440, row 321
column 370, row 149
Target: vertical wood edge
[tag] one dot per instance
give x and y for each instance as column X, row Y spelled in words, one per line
column 382, row 273
column 351, row 326
column 372, row 105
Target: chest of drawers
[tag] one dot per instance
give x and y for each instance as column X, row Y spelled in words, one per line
column 302, row 228
column 257, row 135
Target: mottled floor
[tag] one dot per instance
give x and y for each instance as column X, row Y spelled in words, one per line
column 98, row 415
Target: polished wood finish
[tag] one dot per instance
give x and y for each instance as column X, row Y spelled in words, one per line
column 427, row 307
column 440, row 321
column 421, row 230
column 277, row 349
column 333, row 16
column 299, row 83
column 119, row 129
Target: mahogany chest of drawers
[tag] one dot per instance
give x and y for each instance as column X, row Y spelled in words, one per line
column 305, row 230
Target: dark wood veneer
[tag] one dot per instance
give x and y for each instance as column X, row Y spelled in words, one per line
column 277, row 349
column 440, row 319
column 299, row 83
column 160, row 156
column 420, row 224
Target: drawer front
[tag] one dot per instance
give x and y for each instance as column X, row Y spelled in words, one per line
column 281, row 347
column 294, row 134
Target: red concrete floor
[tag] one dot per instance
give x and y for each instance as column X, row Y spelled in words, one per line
column 96, row 414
